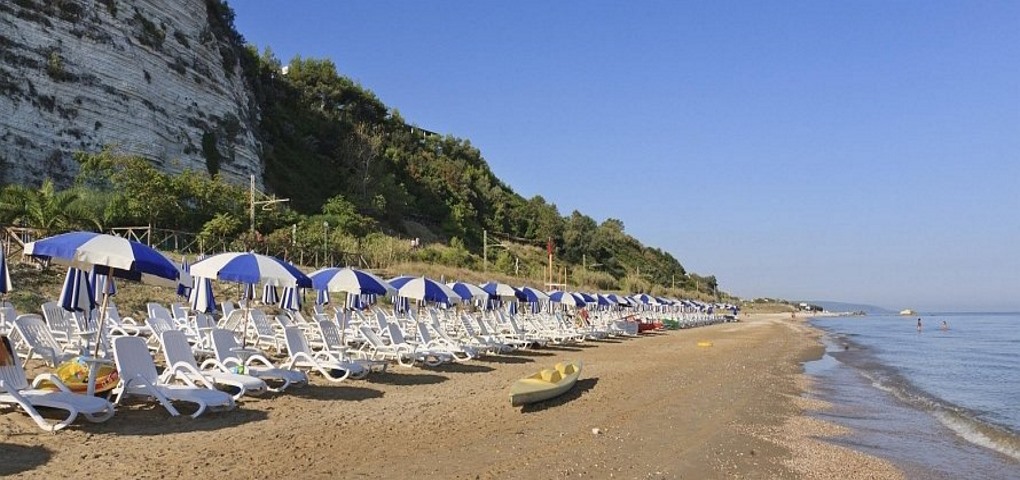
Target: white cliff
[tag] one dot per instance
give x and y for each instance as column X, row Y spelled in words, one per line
column 159, row 79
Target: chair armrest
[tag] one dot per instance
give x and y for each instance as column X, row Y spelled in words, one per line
column 212, row 362
column 184, row 367
column 43, row 377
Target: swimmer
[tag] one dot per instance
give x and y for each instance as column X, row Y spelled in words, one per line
column 945, row 326
column 918, row 324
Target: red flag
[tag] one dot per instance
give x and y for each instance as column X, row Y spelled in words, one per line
column 549, row 247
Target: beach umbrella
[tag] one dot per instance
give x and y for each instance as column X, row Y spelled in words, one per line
column 270, row 296
column 428, row 290
column 468, row 291
column 250, row 268
column 291, row 299
column 502, row 290
column 101, row 283
column 120, row 258
column 5, row 275
column 321, row 297
column 182, row 289
column 603, row 301
column 399, row 281
column 201, row 297
column 618, row 299
column 534, row 295
column 646, row 299
column 349, row 280
column 566, row 298
column 76, row 295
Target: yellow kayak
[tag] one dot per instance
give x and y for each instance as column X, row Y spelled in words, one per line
column 545, row 384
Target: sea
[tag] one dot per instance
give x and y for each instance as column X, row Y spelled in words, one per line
column 942, row 402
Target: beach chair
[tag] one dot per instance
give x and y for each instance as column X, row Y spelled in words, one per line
column 458, row 352
column 38, row 339
column 225, row 349
column 261, row 330
column 375, row 348
column 15, row 390
column 127, row 325
column 419, row 351
column 302, row 357
column 332, row 344
column 58, row 322
column 180, row 361
column 138, row 377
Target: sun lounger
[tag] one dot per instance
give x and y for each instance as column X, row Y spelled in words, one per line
column 180, row 361
column 36, row 337
column 138, row 377
column 15, row 390
column 227, row 353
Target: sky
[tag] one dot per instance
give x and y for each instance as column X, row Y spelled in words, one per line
column 864, row 151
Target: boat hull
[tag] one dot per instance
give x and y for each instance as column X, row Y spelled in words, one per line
column 535, row 388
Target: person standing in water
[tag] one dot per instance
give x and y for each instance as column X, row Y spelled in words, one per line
column 945, row 326
column 918, row 324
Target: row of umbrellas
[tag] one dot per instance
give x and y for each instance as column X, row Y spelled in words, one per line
column 108, row 256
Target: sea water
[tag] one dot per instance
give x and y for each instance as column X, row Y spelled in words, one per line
column 939, row 403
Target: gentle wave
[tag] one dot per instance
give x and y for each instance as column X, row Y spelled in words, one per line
column 980, row 433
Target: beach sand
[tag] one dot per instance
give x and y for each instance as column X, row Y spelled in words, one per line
column 663, row 407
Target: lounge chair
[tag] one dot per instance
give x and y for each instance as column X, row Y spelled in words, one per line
column 39, row 340
column 138, row 377
column 180, row 361
column 15, row 390
column 376, row 348
column 332, row 343
column 58, row 322
column 302, row 357
column 459, row 352
column 257, row 365
column 420, row 352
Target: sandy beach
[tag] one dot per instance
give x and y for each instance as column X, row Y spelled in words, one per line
column 652, row 407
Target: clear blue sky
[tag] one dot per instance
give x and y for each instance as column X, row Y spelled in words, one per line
column 863, row 151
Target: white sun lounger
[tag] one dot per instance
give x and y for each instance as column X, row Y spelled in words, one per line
column 302, row 357
column 37, row 337
column 225, row 348
column 15, row 390
column 138, row 377
column 181, row 361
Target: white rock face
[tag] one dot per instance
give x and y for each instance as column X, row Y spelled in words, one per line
column 145, row 77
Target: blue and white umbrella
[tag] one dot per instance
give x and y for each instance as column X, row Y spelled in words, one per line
column 118, row 256
column 76, row 294
column 397, row 282
column 428, row 290
column 291, row 299
column 201, row 297
column 646, row 299
column 534, row 295
column 502, row 290
column 251, row 268
column 469, row 291
column 5, row 274
column 247, row 294
column 182, row 289
column 321, row 297
column 566, row 298
column 619, row 299
column 101, row 283
column 349, row 280
column 270, row 296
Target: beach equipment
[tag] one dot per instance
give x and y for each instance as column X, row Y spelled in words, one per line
column 201, row 297
column 40, row 341
column 250, row 268
column 533, row 295
column 270, row 296
column 119, row 257
column 138, row 377
column 302, row 357
column 321, row 297
column 502, row 291
column 545, row 384
column 76, row 295
column 15, row 390
column 228, row 353
column 5, row 275
column 468, row 291
column 566, row 298
column 101, row 283
column 181, row 362
column 291, row 299
column 427, row 290
column 349, row 280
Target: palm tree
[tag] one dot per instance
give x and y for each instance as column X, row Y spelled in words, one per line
column 45, row 208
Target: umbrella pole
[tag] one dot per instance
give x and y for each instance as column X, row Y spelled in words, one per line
column 102, row 310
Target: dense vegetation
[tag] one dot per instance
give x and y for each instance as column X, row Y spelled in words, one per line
column 359, row 177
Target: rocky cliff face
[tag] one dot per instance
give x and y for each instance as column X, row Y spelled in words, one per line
column 159, row 79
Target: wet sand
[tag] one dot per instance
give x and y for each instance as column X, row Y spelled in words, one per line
column 663, row 407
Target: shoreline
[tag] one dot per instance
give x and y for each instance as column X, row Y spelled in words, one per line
column 662, row 406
